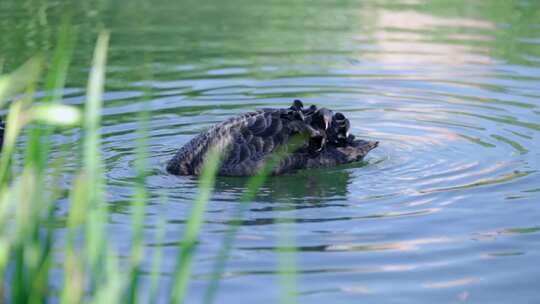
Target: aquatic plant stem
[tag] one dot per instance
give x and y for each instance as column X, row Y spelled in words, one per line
column 193, row 226
column 138, row 207
column 228, row 240
column 97, row 213
column 287, row 263
column 252, row 186
column 156, row 263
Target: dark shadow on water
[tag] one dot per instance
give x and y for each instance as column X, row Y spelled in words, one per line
column 313, row 186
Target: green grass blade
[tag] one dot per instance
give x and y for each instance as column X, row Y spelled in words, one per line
column 23, row 78
column 63, row 54
column 7, row 203
column 287, row 263
column 55, row 114
column 73, row 288
column 252, row 186
column 111, row 290
column 20, row 79
column 38, row 145
column 14, row 124
column 139, row 206
column 94, row 104
column 96, row 246
column 24, row 251
column 156, row 263
column 193, row 226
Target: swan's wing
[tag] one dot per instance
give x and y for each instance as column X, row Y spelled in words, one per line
column 189, row 159
column 263, row 134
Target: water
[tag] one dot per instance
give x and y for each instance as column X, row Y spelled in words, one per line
column 446, row 209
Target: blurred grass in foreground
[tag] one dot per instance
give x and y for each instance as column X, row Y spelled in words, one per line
column 90, row 270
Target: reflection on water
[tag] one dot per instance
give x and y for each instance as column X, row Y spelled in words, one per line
column 400, row 35
column 313, row 186
column 444, row 210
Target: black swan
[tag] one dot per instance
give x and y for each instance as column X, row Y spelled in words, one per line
column 249, row 139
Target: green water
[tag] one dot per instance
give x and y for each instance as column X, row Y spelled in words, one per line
column 445, row 210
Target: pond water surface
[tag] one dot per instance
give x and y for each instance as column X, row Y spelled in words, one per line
column 447, row 209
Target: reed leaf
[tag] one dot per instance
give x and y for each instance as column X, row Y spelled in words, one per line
column 193, row 226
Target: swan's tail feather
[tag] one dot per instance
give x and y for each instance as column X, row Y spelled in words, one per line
column 368, row 146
